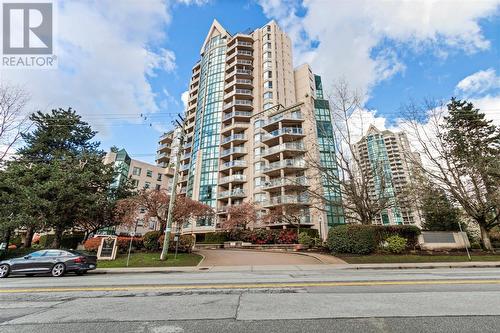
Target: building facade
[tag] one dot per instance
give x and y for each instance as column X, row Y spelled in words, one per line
column 251, row 127
column 143, row 175
column 386, row 156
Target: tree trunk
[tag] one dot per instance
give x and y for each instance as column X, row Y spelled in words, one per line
column 485, row 237
column 29, row 237
column 6, row 239
column 56, row 244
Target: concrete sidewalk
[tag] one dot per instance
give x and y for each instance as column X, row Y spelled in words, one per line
column 296, row 268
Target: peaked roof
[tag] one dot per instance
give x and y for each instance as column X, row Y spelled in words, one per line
column 215, row 29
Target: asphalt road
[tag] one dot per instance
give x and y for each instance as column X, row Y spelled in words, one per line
column 269, row 300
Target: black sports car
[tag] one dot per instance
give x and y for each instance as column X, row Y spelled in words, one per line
column 55, row 262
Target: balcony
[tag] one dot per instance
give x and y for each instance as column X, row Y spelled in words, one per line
column 236, row 164
column 238, row 102
column 164, row 146
column 240, row 83
column 236, row 193
column 236, row 125
column 288, row 148
column 186, row 156
column 240, row 53
column 188, row 145
column 237, row 115
column 184, row 167
column 234, row 138
column 233, row 179
column 236, row 151
column 286, row 132
column 295, row 117
column 287, row 200
column 160, row 156
column 291, row 182
column 289, row 164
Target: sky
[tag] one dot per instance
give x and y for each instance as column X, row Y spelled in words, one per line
column 125, row 64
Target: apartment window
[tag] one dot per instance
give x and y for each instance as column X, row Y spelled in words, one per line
column 257, row 137
column 258, row 151
column 142, row 210
column 258, row 123
column 147, row 185
column 159, row 177
column 268, row 85
column 157, row 187
column 268, row 28
column 135, row 182
column 267, row 37
column 268, row 106
column 267, row 46
column 140, row 222
column 267, row 55
column 258, row 166
column 149, row 173
column 136, row 171
column 259, row 181
column 267, row 65
column 259, row 197
column 268, row 95
column 268, row 75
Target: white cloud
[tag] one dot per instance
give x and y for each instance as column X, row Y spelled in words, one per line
column 349, row 32
column 479, row 82
column 107, row 50
column 184, row 98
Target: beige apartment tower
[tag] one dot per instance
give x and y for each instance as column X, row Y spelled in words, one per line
column 388, row 156
column 251, row 125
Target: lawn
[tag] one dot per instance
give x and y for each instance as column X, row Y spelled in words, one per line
column 145, row 259
column 414, row 258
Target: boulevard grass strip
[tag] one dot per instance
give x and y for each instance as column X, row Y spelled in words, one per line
column 145, row 259
column 413, row 258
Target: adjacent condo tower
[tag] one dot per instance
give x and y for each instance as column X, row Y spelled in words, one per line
column 252, row 125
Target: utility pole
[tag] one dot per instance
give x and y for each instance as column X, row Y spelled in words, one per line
column 173, row 193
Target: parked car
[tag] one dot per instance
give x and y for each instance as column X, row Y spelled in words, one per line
column 53, row 261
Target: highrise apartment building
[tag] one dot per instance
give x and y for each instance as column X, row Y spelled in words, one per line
column 252, row 123
column 387, row 155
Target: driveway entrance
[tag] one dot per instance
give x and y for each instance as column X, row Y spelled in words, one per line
column 253, row 258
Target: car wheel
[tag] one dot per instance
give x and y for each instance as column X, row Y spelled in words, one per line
column 58, row 270
column 4, row 271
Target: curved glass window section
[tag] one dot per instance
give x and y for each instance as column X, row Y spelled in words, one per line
column 208, row 121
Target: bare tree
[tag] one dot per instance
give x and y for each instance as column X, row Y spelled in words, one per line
column 361, row 188
column 472, row 180
column 13, row 117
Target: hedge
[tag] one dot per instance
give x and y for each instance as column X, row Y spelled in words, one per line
column 70, row 241
column 264, row 236
column 92, row 244
column 216, row 237
column 364, row 239
column 186, row 243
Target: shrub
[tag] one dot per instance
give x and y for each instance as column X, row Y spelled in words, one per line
column 305, row 239
column 216, row 237
column 409, row 232
column 395, row 244
column 352, row 238
column 151, row 240
column 46, row 240
column 92, row 244
column 313, row 233
column 186, row 243
column 124, row 243
column 16, row 240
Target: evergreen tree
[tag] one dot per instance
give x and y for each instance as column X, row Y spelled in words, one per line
column 438, row 212
column 472, row 145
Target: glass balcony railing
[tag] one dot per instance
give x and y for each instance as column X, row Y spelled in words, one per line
column 237, row 113
column 284, row 130
column 281, row 116
column 233, row 178
column 293, row 181
column 233, row 193
column 285, row 146
column 234, row 150
column 289, row 163
column 287, row 199
column 233, row 137
column 236, row 163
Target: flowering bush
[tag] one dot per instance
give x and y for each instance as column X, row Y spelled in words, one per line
column 186, row 243
column 92, row 244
